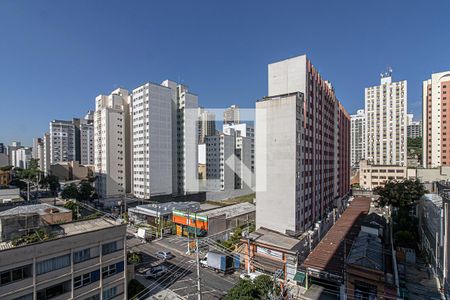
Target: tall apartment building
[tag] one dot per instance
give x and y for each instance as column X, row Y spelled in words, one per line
column 206, row 124
column 184, row 139
column 14, row 145
column 303, row 149
column 436, row 118
column 82, row 260
column 21, row 157
column 152, row 140
column 228, row 161
column 358, row 131
column 34, row 151
column 62, row 141
column 2, row 148
column 112, row 143
column 85, row 139
column 45, row 163
column 232, row 115
column 414, row 129
column 386, row 120
column 244, row 130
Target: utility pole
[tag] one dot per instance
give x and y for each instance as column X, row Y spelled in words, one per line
column 28, row 190
column 188, row 221
column 199, row 291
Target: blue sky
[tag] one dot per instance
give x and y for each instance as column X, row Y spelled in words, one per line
column 56, row 56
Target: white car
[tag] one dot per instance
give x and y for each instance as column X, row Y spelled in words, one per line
column 204, row 262
column 164, row 255
column 250, row 276
column 156, row 272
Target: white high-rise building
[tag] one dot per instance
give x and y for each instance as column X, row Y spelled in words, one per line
column 184, row 139
column 244, row 130
column 152, row 140
column 86, row 145
column 358, row 131
column 34, row 151
column 21, row 157
column 220, row 162
column 206, row 124
column 386, row 121
column 112, row 143
column 45, row 165
column 62, row 141
column 232, row 115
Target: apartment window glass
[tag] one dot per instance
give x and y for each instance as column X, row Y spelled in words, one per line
column 110, row 293
column 93, row 297
column 86, row 279
column 16, row 274
column 112, row 269
column 81, row 255
column 53, row 291
column 53, row 264
column 25, row 297
column 109, row 247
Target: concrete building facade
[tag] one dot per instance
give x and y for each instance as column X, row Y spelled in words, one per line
column 85, row 260
column 62, row 141
column 112, row 143
column 436, row 118
column 358, row 132
column 232, row 115
column 386, row 120
column 206, row 124
column 303, row 142
column 21, row 157
column 371, row 175
column 151, row 140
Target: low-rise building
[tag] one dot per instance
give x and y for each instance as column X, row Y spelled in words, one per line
column 274, row 253
column 214, row 222
column 434, row 224
column 5, row 178
column 151, row 213
column 76, row 260
column 71, row 170
column 10, row 194
column 371, row 176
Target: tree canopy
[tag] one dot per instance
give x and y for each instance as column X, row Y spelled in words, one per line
column 260, row 288
column 400, row 194
column 70, row 192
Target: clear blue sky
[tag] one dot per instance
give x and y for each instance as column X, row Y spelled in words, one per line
column 55, row 57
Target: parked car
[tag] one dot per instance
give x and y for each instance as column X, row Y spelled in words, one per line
column 156, row 272
column 164, row 255
column 250, row 276
column 204, row 262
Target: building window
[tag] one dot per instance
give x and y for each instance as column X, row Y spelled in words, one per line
column 86, row 279
column 109, row 293
column 81, row 255
column 94, row 297
column 16, row 274
column 25, row 297
column 53, row 291
column 53, row 264
column 109, row 247
column 112, row 269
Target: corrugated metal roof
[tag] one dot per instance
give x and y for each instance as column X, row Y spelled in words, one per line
column 328, row 255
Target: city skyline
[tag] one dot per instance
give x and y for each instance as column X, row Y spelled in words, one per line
column 37, row 55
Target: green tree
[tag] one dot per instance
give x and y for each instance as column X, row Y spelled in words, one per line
column 69, row 192
column 85, row 190
column 244, row 290
column 19, row 183
column 50, row 182
column 6, row 168
column 134, row 288
column 400, row 194
column 263, row 284
column 133, row 257
column 72, row 205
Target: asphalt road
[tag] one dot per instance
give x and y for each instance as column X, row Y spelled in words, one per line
column 182, row 275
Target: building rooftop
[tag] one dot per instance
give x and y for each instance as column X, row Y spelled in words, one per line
column 40, row 209
column 374, row 220
column 68, row 229
column 230, row 211
column 434, row 198
column 273, row 238
column 161, row 209
column 367, row 252
column 328, row 255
